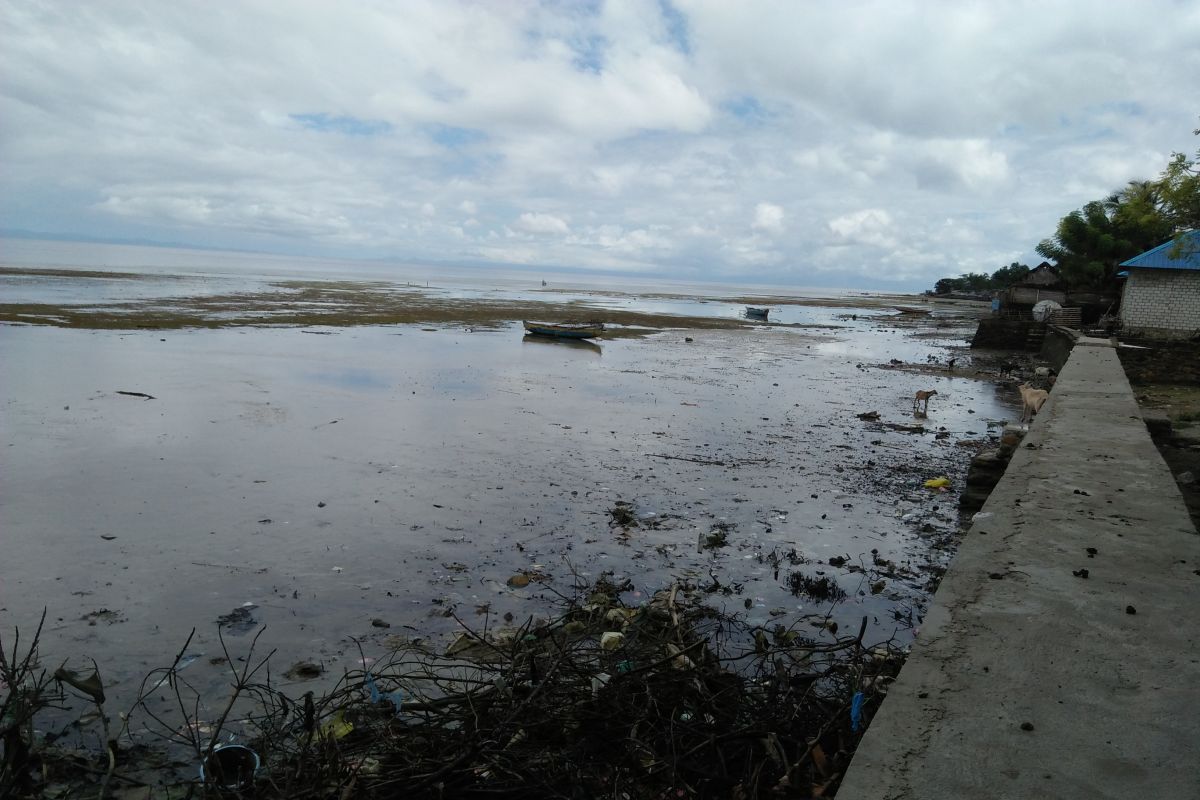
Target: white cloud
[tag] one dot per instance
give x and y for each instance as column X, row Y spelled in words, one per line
column 533, row 222
column 901, row 142
column 768, row 217
column 870, row 226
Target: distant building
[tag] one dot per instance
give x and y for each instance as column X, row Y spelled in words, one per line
column 1162, row 294
column 1042, row 283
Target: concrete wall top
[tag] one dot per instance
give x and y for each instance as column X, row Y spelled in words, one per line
column 1030, row 681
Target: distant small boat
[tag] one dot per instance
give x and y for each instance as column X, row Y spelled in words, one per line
column 911, row 310
column 580, row 330
column 757, row 313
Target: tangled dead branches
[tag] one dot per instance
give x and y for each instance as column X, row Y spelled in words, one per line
column 665, row 699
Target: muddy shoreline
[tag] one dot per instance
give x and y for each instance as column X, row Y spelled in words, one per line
column 370, row 487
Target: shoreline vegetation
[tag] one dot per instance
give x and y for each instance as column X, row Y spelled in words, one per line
column 660, row 698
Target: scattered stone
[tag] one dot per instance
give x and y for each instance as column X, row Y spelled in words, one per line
column 304, row 671
column 379, row 623
column 1026, row 726
column 1130, row 610
column 1080, row 573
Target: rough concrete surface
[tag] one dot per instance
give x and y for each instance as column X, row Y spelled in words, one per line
column 1028, row 681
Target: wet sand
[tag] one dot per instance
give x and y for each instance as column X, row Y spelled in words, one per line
column 341, row 479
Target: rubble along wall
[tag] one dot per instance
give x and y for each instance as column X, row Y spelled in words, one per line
column 1029, row 679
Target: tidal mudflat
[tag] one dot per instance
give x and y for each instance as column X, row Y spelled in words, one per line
column 369, row 485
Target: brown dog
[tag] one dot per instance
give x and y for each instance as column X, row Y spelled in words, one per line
column 921, row 401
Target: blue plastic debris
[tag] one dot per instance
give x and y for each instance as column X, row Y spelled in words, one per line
column 856, row 705
column 396, row 698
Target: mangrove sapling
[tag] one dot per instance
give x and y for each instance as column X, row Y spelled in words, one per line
column 26, row 692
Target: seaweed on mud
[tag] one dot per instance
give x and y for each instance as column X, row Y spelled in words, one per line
column 821, row 588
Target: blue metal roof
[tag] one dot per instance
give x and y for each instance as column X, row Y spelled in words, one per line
column 1160, row 257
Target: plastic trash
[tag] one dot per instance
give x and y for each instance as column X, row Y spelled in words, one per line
column 337, row 727
column 611, row 640
column 396, row 698
column 937, row 483
column 856, row 706
column 230, row 766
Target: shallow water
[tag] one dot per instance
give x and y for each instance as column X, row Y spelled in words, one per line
column 397, row 473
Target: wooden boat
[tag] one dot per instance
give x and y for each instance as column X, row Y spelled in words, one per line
column 911, row 310
column 571, row 330
column 757, row 313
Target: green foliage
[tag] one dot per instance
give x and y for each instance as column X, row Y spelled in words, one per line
column 1092, row 241
column 1179, row 187
column 1007, row 276
column 979, row 283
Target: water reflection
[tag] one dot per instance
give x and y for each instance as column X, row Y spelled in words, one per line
column 578, row 345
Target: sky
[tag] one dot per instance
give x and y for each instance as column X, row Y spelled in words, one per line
column 849, row 144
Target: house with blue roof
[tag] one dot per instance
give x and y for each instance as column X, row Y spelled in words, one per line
column 1162, row 293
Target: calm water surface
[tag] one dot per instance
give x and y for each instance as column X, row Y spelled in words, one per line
column 397, row 474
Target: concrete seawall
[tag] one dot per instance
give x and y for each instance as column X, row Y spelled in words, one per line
column 1029, row 681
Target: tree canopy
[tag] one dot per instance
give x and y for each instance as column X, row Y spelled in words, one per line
column 979, row 283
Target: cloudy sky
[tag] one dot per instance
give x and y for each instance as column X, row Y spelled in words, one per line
column 846, row 144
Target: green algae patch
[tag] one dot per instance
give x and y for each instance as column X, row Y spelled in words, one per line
column 339, row 304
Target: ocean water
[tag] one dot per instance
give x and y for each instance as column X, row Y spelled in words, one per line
column 327, row 478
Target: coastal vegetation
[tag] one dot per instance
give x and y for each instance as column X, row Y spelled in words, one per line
column 1089, row 243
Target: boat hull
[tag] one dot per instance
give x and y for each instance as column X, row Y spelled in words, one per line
column 564, row 331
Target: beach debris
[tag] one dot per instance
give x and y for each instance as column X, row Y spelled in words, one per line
column 379, row 623
column 230, row 767
column 240, row 620
column 102, row 615
column 937, row 483
column 869, row 416
column 137, row 394
column 108, row 537
column 820, row 588
column 92, row 686
column 519, row 581
column 1080, row 573
column 718, row 536
column 338, row 727
column 304, row 671
column 612, row 640
column 622, row 514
